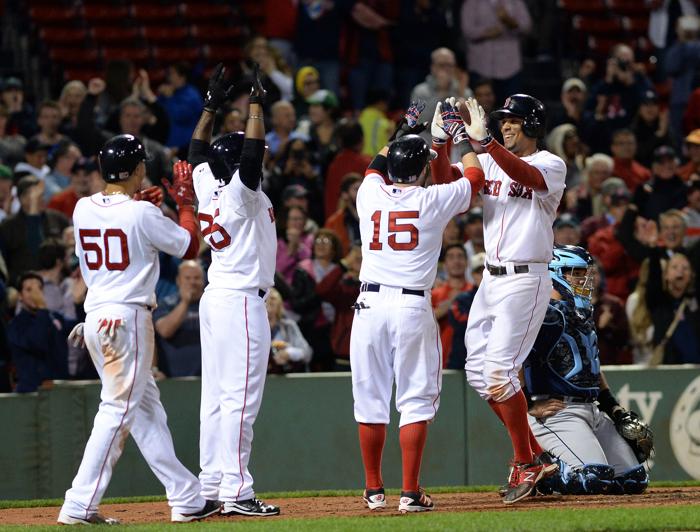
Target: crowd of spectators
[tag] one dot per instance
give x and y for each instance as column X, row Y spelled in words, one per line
column 633, row 181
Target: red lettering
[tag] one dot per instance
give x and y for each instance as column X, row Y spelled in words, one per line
column 394, row 228
column 209, row 227
column 103, row 257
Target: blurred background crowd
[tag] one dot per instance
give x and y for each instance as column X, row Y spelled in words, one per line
column 619, row 79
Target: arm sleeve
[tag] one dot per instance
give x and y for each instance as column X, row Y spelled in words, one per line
column 160, row 129
column 164, row 234
column 198, row 152
column 655, row 293
column 251, row 162
column 625, row 234
column 440, row 168
column 378, row 166
column 548, row 177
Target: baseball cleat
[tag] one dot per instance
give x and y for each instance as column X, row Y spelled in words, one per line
column 549, row 462
column 94, row 519
column 251, row 507
column 511, row 478
column 525, row 477
column 375, row 499
column 415, row 501
column 209, row 508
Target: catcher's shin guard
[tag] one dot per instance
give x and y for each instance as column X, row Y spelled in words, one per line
column 632, row 482
column 591, row 479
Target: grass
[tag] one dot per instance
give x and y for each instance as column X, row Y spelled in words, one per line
column 551, row 520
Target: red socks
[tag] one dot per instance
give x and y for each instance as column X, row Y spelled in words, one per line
column 534, row 445
column 513, row 413
column 372, row 437
column 412, row 439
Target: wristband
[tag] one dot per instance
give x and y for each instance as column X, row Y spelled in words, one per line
column 255, row 117
column 464, row 148
column 439, row 142
column 606, row 401
column 485, row 141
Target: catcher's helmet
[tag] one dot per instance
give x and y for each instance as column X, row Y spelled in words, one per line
column 225, row 155
column 120, row 156
column 524, row 106
column 407, row 157
column 566, row 259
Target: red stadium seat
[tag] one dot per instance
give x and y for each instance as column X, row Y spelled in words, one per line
column 172, row 55
column 631, row 7
column 105, row 14
column 584, row 6
column 53, row 15
column 211, row 33
column 63, row 36
column 117, row 35
column 83, row 74
column 165, row 34
column 597, row 25
column 74, row 56
column 138, row 56
column 153, row 12
column 636, row 25
column 223, row 53
column 203, row 12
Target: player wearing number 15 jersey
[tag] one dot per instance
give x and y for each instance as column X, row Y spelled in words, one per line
column 117, row 243
column 394, row 333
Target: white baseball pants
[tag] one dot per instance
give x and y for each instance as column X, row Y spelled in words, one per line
column 581, row 434
column 395, row 338
column 504, row 320
column 235, row 335
column 130, row 403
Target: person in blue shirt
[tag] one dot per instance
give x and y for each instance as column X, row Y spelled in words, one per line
column 182, row 102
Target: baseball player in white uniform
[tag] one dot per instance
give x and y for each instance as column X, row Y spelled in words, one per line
column 238, row 223
column 522, row 190
column 117, row 243
column 394, row 334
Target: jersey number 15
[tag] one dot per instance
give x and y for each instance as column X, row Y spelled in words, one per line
column 97, row 252
column 395, row 226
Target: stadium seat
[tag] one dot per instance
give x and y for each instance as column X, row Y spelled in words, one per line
column 211, row 33
column 74, row 56
column 82, row 74
column 153, row 12
column 202, row 12
column 584, row 6
column 631, row 7
column 117, row 35
column 597, row 25
column 165, row 34
column 53, row 15
column 172, row 55
column 223, row 53
column 105, row 14
column 636, row 25
column 63, row 36
column 138, row 56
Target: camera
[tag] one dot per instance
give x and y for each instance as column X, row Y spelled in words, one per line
column 623, row 65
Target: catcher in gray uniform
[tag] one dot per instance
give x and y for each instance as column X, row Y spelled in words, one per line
column 600, row 446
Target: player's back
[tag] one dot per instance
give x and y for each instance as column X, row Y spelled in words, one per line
column 401, row 229
column 238, row 224
column 117, row 241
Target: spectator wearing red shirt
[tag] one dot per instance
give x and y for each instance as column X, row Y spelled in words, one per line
column 345, row 222
column 349, row 159
column 455, row 265
column 85, row 181
column 623, row 148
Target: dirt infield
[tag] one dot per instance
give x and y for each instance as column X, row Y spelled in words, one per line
column 153, row 512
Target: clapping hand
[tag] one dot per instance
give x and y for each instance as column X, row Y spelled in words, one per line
column 152, row 195
column 452, row 122
column 474, row 119
column 437, row 126
column 408, row 125
column 182, row 188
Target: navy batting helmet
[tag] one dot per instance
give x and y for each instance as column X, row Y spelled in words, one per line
column 524, row 106
column 225, row 155
column 120, row 156
column 407, row 157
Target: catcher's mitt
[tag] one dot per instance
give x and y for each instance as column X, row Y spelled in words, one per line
column 636, row 433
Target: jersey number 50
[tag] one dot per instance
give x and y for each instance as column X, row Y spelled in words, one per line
column 394, row 228
column 94, row 262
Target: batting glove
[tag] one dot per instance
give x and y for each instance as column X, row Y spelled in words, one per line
column 152, row 195
column 408, row 125
column 452, row 122
column 437, row 126
column 476, row 124
column 77, row 336
column 218, row 91
column 108, row 326
column 257, row 91
column 182, row 188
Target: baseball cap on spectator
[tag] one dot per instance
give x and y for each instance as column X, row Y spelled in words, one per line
column 87, row 164
column 663, row 152
column 302, row 74
column 566, row 220
column 474, row 214
column 5, row 172
column 649, row 96
column 478, row 261
column 573, row 83
column 34, row 145
column 616, row 188
column 323, row 97
column 11, row 83
column 693, row 137
column 24, row 184
column 294, row 191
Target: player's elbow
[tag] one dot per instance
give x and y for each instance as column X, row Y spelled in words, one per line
column 193, row 249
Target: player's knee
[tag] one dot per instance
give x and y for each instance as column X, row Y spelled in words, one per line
column 499, row 386
column 591, row 479
column 632, row 482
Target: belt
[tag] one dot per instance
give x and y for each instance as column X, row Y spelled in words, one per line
column 501, row 270
column 370, row 287
column 564, row 398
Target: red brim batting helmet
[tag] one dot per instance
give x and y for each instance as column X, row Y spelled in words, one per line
column 529, row 109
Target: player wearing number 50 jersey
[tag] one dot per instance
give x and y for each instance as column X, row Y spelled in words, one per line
column 117, row 243
column 238, row 224
column 394, row 335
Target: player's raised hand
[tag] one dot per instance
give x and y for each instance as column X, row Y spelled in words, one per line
column 152, row 195
column 437, row 129
column 182, row 188
column 409, row 125
column 452, row 122
column 218, row 91
column 474, row 119
column 257, row 91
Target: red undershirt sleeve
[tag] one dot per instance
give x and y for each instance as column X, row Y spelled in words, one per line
column 188, row 222
column 517, row 169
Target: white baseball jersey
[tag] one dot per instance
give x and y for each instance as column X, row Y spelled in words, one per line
column 239, row 225
column 401, row 229
column 517, row 219
column 117, row 241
